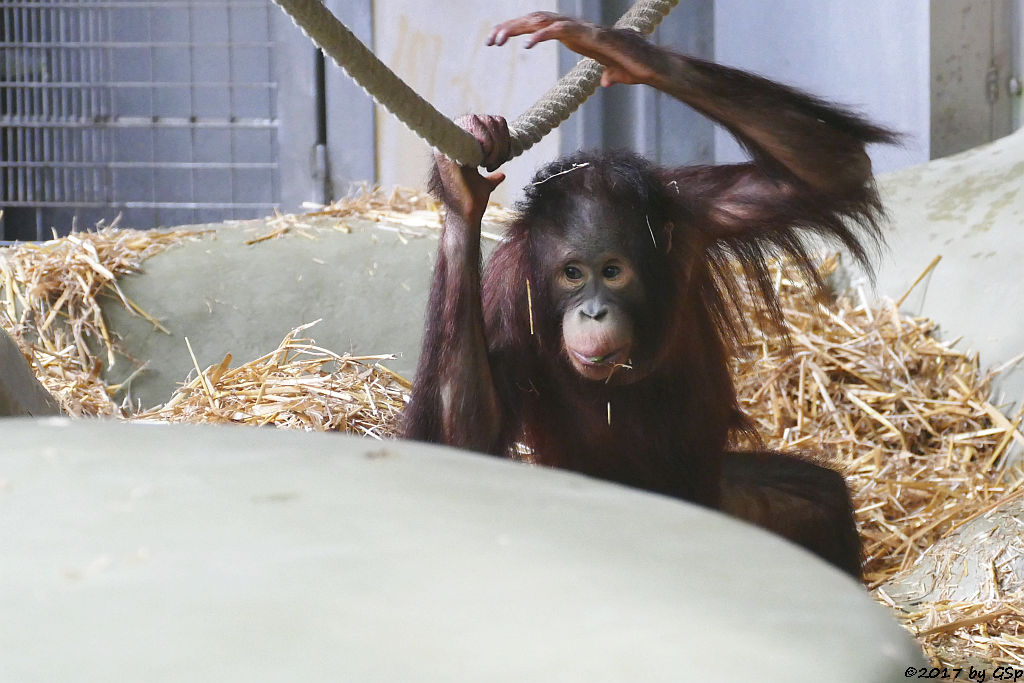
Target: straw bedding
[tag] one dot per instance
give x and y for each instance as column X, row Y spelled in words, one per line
column 50, row 296
column 299, row 385
column 906, row 417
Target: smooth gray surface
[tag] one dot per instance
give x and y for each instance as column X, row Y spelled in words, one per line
column 20, row 391
column 183, row 553
column 351, row 130
column 969, row 209
column 972, row 41
column 368, row 287
column 871, row 55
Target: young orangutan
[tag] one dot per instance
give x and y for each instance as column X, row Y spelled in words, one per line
column 599, row 333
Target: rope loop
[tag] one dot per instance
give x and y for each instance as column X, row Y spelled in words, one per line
column 421, row 117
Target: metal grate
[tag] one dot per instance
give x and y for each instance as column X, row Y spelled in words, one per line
column 162, row 110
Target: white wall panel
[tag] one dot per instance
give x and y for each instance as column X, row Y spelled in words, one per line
column 439, row 49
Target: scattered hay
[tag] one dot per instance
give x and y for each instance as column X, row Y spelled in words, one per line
column 50, row 291
column 907, row 417
column 49, row 304
column 987, row 632
column 409, row 213
column 965, row 596
column 297, row 386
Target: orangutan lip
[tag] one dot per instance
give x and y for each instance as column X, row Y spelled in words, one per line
column 597, row 361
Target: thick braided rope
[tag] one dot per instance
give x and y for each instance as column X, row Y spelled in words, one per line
column 341, row 45
column 572, row 90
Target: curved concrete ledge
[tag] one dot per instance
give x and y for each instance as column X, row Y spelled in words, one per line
column 968, row 208
column 976, row 561
column 171, row 553
column 20, row 391
column 369, row 287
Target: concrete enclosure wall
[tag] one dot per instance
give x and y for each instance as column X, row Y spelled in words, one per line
column 442, row 55
column 971, row 63
column 871, row 55
column 923, row 69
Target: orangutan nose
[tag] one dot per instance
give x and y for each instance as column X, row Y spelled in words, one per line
column 594, row 310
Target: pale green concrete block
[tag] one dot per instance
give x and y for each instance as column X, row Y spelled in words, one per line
column 196, row 553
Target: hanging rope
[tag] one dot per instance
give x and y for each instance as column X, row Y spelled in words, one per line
column 341, row 45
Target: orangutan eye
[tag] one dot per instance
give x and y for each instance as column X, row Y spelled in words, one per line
column 611, row 272
column 573, row 273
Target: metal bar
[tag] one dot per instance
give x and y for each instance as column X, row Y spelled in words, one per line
column 67, row 184
column 49, row 176
column 108, row 106
column 78, row 84
column 141, row 122
column 8, row 61
column 192, row 104
column 8, row 96
column 96, row 150
column 272, row 109
column 144, row 205
column 31, row 151
column 45, row 113
column 19, row 109
column 81, row 107
column 73, row 111
column 12, row 110
column 74, row 85
column 136, row 45
column 129, row 4
column 231, row 105
column 152, row 109
column 176, row 165
column 68, row 68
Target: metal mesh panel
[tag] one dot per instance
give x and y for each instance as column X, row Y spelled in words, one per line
column 162, row 110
